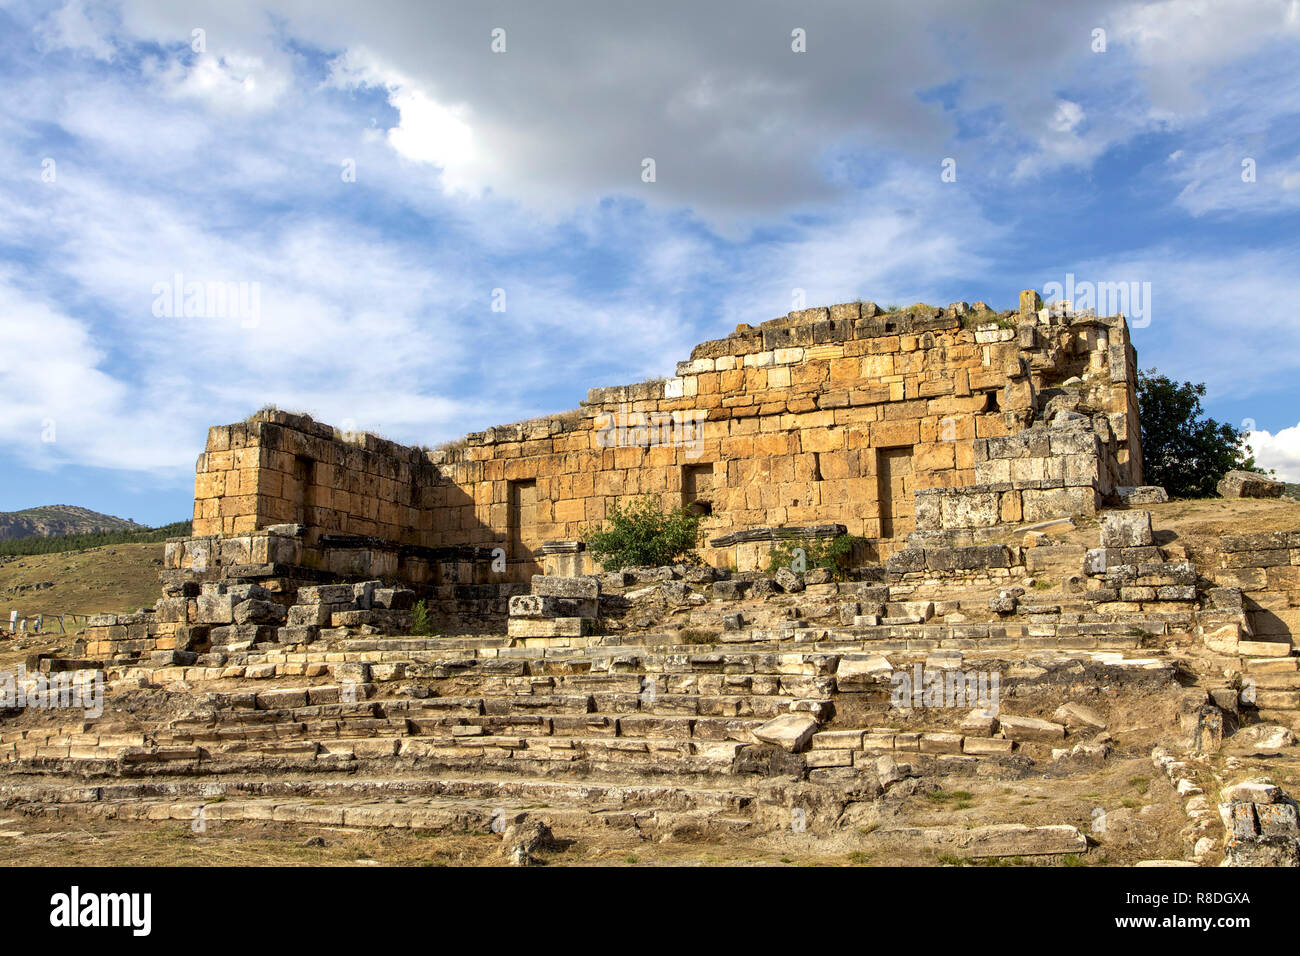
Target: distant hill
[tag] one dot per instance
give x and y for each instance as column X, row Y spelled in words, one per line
column 52, row 520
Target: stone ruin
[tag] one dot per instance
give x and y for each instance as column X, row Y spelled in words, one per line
column 708, row 701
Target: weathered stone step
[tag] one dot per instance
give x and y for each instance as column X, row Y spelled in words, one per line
column 1277, row 699
column 441, row 815
column 1285, row 680
column 431, row 644
column 482, row 788
column 1287, row 717
column 1264, row 649
column 1272, row 665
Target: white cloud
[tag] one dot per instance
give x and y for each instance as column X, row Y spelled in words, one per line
column 1068, row 117
column 71, row 27
column 1178, row 44
column 230, row 83
column 1279, row 451
column 738, row 124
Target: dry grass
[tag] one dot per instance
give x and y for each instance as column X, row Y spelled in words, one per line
column 116, row 578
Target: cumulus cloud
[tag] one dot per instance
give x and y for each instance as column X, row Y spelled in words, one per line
column 1279, row 451
column 74, row 27
column 737, row 122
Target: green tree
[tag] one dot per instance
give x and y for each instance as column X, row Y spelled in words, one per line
column 1182, row 449
column 640, row 533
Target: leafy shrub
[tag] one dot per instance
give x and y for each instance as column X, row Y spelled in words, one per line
column 421, row 625
column 640, row 533
column 833, row 554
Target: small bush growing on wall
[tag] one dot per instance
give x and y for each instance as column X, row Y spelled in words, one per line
column 421, row 625
column 639, row 533
column 833, row 554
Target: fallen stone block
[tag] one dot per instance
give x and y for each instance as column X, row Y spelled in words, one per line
column 1079, row 717
column 1249, row 484
column 1264, row 851
column 311, row 615
column 788, row 581
column 729, row 590
column 980, row 723
column 259, row 612
column 1030, row 729
column 326, row 594
column 1141, row 494
column 790, row 732
column 1252, row 791
column 214, row 609
column 1263, row 738
column 393, row 599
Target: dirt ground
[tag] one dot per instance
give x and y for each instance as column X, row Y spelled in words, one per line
column 1127, row 808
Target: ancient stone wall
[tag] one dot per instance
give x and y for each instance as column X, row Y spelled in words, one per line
column 836, row 415
column 279, row 468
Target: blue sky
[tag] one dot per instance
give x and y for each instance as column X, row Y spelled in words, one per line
column 377, row 177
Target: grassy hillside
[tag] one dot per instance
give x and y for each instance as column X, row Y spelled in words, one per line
column 111, row 579
column 60, row 520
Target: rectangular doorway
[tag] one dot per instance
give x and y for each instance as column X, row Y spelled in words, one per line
column 894, row 478
column 302, row 491
column 521, row 518
column 697, row 488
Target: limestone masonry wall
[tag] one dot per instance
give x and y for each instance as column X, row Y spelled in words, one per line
column 838, row 415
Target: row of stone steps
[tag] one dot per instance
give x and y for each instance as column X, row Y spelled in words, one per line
column 423, row 815
column 1054, row 624
column 395, row 665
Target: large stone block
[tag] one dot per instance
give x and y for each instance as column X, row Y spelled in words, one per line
column 1030, row 729
column 583, row 587
column 534, row 606
column 1126, row 529
column 969, row 510
column 1141, row 494
column 1249, row 484
column 790, row 732
column 326, row 594
column 259, row 612
column 214, row 609
column 304, row 615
